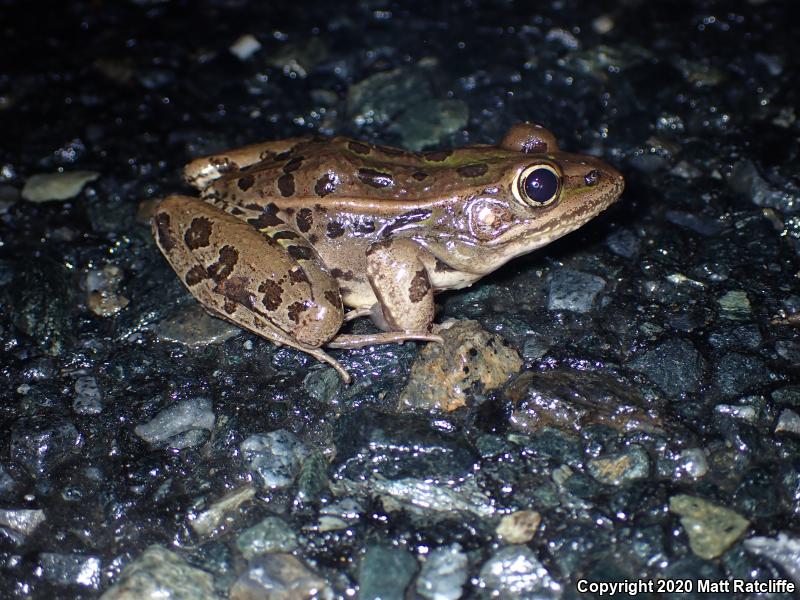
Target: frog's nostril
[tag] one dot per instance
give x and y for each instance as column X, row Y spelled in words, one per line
column 592, row 177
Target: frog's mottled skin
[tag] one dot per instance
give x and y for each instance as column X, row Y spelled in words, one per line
column 288, row 233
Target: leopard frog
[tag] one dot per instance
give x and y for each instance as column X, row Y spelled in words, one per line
column 291, row 238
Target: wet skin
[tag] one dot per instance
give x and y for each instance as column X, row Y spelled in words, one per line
column 285, row 235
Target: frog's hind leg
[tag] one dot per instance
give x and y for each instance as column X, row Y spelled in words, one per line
column 201, row 172
column 240, row 273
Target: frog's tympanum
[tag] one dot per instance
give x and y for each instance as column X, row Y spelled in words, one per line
column 287, row 234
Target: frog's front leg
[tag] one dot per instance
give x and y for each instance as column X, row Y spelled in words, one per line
column 269, row 281
column 405, row 309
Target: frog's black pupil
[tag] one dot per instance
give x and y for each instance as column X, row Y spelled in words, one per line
column 541, row 185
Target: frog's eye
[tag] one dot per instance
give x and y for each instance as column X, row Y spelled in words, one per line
column 538, row 185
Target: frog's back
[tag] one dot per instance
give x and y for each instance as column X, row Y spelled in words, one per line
column 322, row 170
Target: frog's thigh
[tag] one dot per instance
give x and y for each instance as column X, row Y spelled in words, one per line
column 400, row 281
column 202, row 171
column 246, row 277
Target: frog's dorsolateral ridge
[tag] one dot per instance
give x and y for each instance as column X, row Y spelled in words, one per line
column 287, row 234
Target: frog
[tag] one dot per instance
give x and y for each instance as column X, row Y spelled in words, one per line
column 291, row 239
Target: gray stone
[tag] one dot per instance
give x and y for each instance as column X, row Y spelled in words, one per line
column 385, row 572
column 380, row 97
column 623, row 242
column 746, row 180
column 783, row 550
column 70, row 569
column 427, row 123
column 192, row 326
column 674, row 365
column 443, row 574
column 788, row 421
column 178, row 418
column 573, row 290
column 160, row 574
column 736, row 373
column 88, row 399
column 274, row 458
column 272, row 534
column 279, row 577
column 42, row 442
column 23, row 520
column 56, row 186
column 515, row 572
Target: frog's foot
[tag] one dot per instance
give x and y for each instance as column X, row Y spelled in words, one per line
column 201, row 172
column 323, row 356
column 344, row 340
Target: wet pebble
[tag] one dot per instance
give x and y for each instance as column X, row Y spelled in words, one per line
column 706, row 226
column 70, row 569
column 788, row 350
column 23, row 520
column 674, row 365
column 691, row 463
column 623, row 242
column 380, row 97
column 443, row 573
column 270, row 535
column 192, row 326
column 385, row 573
column 619, row 468
column 519, row 527
column 88, row 399
column 788, row 422
column 735, row 305
column 782, row 549
column 208, row 521
column 573, row 290
column 515, row 572
column 279, row 577
column 711, row 528
column 428, row 123
column 41, row 443
column 735, row 373
column 274, row 458
column 245, row 46
column 160, row 574
column 746, row 180
column 179, row 425
column 443, row 374
column 103, row 297
column 736, row 337
column 56, row 186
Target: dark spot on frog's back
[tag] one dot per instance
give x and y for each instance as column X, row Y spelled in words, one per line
column 334, row 298
column 198, row 234
column 419, row 286
column 304, row 219
column 473, row 170
column 272, row 294
column 344, row 275
column 286, row 185
column 195, row 275
column 246, row 182
column 334, row 229
column 293, row 164
column 163, row 231
column 268, row 217
column 235, row 289
column 437, row 155
column 358, row 147
column 375, row 178
column 300, row 252
column 419, row 175
column 294, row 310
column 325, row 185
column 298, row 275
column 220, row 270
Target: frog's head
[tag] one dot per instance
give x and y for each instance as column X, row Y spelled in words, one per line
column 541, row 195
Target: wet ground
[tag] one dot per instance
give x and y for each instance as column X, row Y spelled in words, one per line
column 633, row 408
